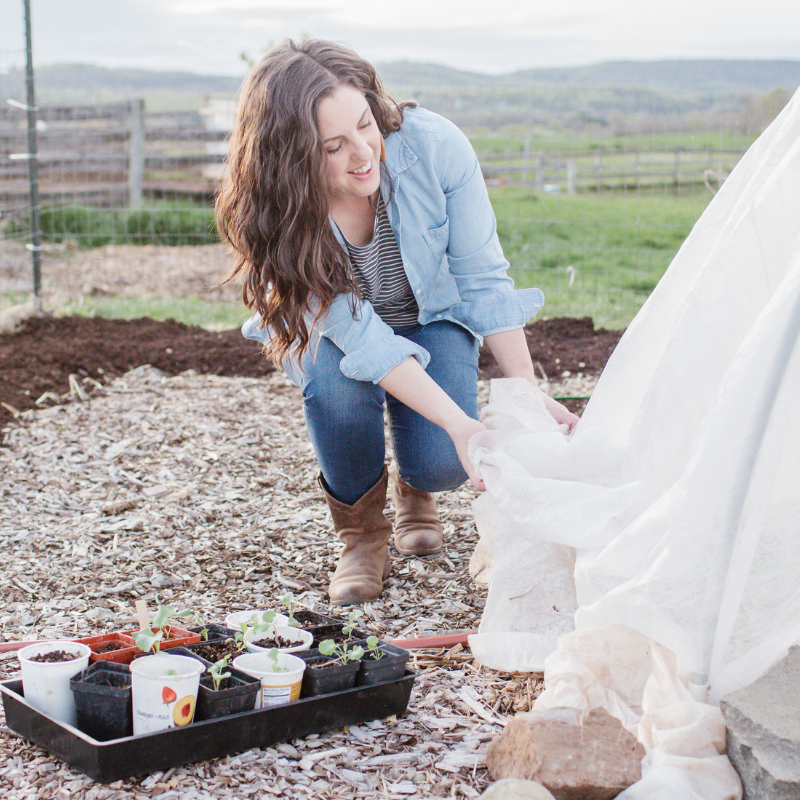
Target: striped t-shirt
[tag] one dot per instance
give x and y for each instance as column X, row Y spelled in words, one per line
column 378, row 270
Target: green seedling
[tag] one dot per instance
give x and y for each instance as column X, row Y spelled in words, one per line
column 255, row 627
column 150, row 640
column 261, row 625
column 216, row 672
column 342, row 652
column 347, row 630
column 287, row 600
column 373, row 649
column 272, row 654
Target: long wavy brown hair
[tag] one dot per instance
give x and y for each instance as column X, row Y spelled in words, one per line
column 273, row 204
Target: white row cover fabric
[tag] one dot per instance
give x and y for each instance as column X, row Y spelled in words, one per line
column 665, row 531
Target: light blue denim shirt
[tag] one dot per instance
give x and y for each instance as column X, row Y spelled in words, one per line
column 445, row 228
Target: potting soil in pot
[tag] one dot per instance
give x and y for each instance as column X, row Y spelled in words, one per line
column 281, row 642
column 54, row 657
column 215, row 651
column 111, row 647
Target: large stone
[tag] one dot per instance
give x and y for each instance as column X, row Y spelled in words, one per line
column 763, row 723
column 576, row 755
column 516, row 789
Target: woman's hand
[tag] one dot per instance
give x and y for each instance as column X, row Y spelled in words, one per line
column 510, row 350
column 560, row 413
column 461, row 432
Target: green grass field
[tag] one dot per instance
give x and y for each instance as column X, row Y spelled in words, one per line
column 618, row 248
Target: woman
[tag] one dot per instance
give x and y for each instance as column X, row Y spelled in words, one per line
column 367, row 247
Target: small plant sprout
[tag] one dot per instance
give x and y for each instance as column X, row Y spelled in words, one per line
column 342, row 652
column 203, row 629
column 261, row 625
column 216, row 672
column 272, row 654
column 150, row 640
column 373, row 649
column 287, row 600
column 347, row 630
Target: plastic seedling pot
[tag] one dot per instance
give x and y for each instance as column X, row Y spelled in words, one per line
column 277, row 688
column 389, row 667
column 46, row 684
column 319, row 625
column 215, row 650
column 238, row 617
column 102, row 695
column 338, row 637
column 216, row 632
column 123, row 653
column 173, row 637
column 164, row 691
column 284, row 632
column 237, row 693
column 319, row 679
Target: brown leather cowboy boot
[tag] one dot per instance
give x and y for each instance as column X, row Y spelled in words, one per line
column 364, row 562
column 417, row 530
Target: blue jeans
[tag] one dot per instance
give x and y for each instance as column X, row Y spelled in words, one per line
column 345, row 416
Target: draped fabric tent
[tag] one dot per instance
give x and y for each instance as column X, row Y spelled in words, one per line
column 660, row 542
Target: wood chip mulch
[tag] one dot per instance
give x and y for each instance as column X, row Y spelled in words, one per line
column 200, row 491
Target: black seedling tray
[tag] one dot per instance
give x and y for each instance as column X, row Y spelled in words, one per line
column 152, row 752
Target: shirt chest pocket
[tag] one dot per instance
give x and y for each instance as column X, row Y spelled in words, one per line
column 437, row 240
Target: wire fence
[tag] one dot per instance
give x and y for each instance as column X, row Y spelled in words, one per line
column 590, row 222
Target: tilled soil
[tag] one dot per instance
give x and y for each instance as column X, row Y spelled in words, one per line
column 39, row 358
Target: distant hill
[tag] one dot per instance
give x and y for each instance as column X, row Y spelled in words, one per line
column 673, row 76
column 656, row 94
column 706, row 77
column 93, row 78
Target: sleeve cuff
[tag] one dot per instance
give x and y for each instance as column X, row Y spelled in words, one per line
column 372, row 362
column 498, row 312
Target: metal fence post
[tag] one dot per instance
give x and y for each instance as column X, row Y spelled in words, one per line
column 135, row 153
column 33, row 165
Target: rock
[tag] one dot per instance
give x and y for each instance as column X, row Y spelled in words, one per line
column 763, row 723
column 516, row 789
column 576, row 755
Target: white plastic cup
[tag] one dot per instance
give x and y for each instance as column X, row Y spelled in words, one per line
column 238, row 617
column 277, row 688
column 292, row 634
column 164, row 691
column 46, row 683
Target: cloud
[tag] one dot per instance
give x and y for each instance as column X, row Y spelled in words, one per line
column 207, row 36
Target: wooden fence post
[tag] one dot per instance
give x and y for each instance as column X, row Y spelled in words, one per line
column 135, row 153
column 572, row 176
column 539, row 174
column 598, row 167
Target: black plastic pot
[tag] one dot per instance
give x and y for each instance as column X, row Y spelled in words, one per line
column 389, row 667
column 319, row 625
column 104, row 712
column 216, row 632
column 339, row 637
column 195, row 648
column 237, row 693
column 179, row 651
column 335, row 678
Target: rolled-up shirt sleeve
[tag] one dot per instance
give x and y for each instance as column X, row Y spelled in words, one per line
column 371, row 348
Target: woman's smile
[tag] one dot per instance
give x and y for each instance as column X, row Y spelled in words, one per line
column 352, row 142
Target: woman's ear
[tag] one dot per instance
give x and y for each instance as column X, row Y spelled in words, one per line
column 383, row 151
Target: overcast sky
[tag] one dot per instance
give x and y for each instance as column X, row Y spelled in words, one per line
column 493, row 36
